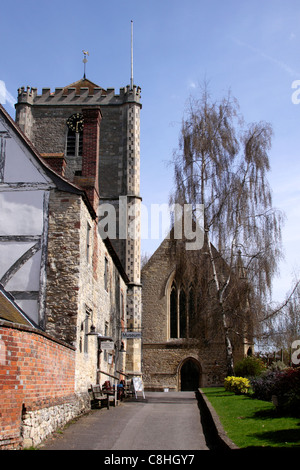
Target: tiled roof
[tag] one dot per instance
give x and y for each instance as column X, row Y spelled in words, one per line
column 84, row 83
column 10, row 311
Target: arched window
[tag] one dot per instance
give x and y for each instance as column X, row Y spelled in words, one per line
column 182, row 314
column 173, row 312
column 192, row 316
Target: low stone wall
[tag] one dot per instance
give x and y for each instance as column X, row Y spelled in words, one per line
column 214, row 427
column 40, row 423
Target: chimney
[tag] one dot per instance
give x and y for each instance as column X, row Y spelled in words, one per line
column 56, row 161
column 88, row 179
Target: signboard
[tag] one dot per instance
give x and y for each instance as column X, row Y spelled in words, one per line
column 138, row 385
column 107, row 345
column 131, row 334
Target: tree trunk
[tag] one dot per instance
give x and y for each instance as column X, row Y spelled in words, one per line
column 228, row 346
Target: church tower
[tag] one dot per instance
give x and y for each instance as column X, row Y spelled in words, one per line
column 53, row 122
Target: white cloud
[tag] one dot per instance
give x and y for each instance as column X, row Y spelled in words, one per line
column 292, row 72
column 5, row 96
column 192, row 84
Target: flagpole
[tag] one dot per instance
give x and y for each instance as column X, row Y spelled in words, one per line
column 131, row 76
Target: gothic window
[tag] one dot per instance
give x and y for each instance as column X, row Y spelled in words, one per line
column 182, row 312
column 191, row 312
column 173, row 312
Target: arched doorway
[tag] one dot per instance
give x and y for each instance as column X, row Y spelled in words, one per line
column 190, row 375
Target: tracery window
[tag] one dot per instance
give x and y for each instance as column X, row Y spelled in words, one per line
column 182, row 314
column 192, row 313
column 173, row 312
column 182, row 311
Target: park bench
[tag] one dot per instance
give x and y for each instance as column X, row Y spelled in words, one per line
column 98, row 396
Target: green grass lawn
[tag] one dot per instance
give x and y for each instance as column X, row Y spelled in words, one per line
column 253, row 423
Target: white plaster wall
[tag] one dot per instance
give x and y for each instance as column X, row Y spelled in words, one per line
column 21, row 212
column 22, row 196
column 20, row 165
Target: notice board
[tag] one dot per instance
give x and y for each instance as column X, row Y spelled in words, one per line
column 138, row 385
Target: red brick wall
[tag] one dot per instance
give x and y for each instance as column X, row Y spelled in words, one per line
column 90, row 154
column 35, row 372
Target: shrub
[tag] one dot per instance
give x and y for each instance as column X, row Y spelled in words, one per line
column 287, row 389
column 276, row 366
column 263, row 387
column 284, row 384
column 249, row 367
column 237, row 385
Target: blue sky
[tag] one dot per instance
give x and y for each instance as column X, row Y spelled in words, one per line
column 252, row 47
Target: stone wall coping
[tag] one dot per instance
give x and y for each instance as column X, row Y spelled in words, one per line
column 29, row 329
column 224, row 439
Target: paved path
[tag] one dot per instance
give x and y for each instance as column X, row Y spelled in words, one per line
column 161, row 421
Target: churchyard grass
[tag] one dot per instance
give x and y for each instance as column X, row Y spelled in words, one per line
column 249, row 422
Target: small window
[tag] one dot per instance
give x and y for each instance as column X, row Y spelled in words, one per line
column 106, row 274
column 122, row 306
column 74, row 143
column 2, row 158
column 88, row 242
column 86, row 331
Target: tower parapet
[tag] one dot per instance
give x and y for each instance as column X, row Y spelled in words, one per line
column 79, row 94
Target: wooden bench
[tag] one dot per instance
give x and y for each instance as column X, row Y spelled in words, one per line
column 110, row 392
column 98, row 396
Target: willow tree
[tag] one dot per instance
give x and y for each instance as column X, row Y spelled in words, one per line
column 222, row 163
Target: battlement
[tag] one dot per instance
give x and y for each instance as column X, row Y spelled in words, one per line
column 79, row 93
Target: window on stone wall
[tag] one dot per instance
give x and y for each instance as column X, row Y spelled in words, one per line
column 86, row 330
column 106, row 274
column 105, row 355
column 173, row 312
column 191, row 313
column 182, row 312
column 122, row 306
column 88, row 242
column 74, row 143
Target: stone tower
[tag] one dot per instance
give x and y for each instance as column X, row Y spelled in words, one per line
column 52, row 121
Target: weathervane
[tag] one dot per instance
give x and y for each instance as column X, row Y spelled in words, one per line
column 85, row 53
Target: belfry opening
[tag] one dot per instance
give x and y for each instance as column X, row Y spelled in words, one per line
column 190, row 375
